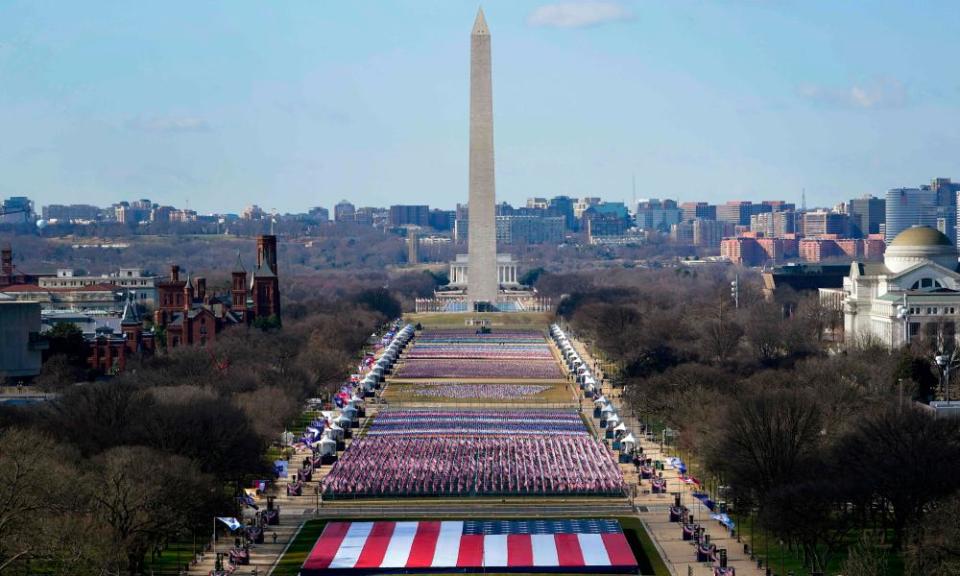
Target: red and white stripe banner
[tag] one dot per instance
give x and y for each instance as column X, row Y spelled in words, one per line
column 397, row 545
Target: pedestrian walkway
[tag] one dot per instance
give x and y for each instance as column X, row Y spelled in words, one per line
column 294, row 510
column 654, row 509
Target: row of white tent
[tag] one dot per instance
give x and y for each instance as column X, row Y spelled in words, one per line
column 386, row 361
column 329, row 433
column 603, row 408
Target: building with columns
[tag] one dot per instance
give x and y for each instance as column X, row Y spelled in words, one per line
column 913, row 295
column 506, row 271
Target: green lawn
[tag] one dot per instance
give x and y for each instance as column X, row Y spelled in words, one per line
column 298, row 550
column 768, row 547
column 173, row 558
column 649, row 561
column 458, row 319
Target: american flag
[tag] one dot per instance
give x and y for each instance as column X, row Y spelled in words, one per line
column 597, row 545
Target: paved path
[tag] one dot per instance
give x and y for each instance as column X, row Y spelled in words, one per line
column 653, row 509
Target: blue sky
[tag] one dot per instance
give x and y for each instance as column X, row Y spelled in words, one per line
column 296, row 104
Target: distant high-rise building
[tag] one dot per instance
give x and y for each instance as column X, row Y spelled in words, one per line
column 68, row 213
column 344, row 212
column 823, row 223
column 320, row 214
column 779, row 205
column 442, row 220
column 563, row 206
column 738, row 212
column 682, row 233
column 908, row 207
column 520, row 229
column 253, row 212
column 774, row 224
column 407, row 214
column 694, row 210
column 654, row 214
column 540, row 203
column 581, row 205
column 866, row 215
column 946, row 192
column 369, row 216
column 709, row 233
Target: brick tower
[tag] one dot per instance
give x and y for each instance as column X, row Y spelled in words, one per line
column 266, row 283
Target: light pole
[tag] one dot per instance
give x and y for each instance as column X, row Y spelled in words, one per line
column 903, row 313
column 944, row 364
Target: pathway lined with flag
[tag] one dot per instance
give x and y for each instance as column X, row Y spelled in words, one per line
column 654, row 509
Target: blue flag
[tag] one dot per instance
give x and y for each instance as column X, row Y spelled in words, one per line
column 232, row 523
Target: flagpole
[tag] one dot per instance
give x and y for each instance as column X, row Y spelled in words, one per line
column 214, row 540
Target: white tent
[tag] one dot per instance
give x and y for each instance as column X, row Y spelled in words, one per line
column 621, row 427
column 600, row 400
column 628, row 439
column 328, row 447
column 608, row 409
column 612, row 420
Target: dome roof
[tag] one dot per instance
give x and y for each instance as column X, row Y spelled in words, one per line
column 921, row 236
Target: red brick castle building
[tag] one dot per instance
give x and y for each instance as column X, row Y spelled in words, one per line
column 190, row 315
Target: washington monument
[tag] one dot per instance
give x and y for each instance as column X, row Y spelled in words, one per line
column 482, row 281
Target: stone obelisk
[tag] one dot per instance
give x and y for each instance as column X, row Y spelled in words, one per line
column 482, row 281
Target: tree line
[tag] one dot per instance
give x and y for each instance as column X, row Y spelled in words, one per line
column 827, row 449
column 99, row 478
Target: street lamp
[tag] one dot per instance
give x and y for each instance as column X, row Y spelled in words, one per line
column 944, row 364
column 903, row 313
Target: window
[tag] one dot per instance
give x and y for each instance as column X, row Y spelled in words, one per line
column 914, row 329
column 926, row 283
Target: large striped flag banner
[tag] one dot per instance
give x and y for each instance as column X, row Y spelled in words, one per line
column 455, row 546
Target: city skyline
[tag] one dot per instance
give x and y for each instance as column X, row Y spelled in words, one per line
column 309, row 104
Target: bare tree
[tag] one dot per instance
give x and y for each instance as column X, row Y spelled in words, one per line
column 934, row 547
column 35, row 487
column 907, row 459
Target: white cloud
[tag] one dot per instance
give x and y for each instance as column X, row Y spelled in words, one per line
column 578, row 14
column 878, row 93
column 170, row 124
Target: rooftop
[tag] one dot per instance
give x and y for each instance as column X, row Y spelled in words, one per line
column 921, row 236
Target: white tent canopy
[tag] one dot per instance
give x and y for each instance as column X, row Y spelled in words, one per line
column 621, row 427
column 328, row 447
column 628, row 439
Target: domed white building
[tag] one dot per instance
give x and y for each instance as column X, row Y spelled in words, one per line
column 914, row 293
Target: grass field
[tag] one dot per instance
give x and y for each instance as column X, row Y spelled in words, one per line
column 458, row 320
column 399, row 392
column 643, row 549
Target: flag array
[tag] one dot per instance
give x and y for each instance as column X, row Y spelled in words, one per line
column 534, row 545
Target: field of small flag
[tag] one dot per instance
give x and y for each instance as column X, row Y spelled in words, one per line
column 461, row 453
column 469, row 354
